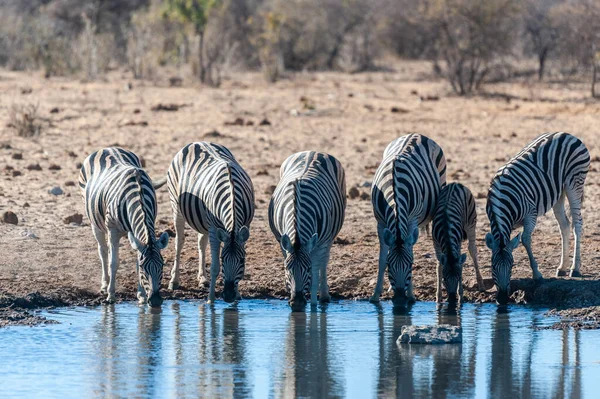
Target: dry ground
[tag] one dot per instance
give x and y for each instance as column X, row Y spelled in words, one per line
column 349, row 116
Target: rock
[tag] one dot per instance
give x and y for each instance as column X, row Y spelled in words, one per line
column 71, row 154
column 353, row 193
column 249, row 123
column 342, row 241
column 270, row 190
column 26, row 205
column 265, row 122
column 78, row 165
column 262, row 172
column 55, row 110
column 17, row 155
column 70, row 183
column 213, row 133
column 365, row 196
column 16, row 173
column 481, row 195
column 29, row 234
column 236, row 122
column 366, row 184
column 54, row 167
column 136, row 111
column 167, row 107
column 433, row 335
column 34, row 166
column 56, row 191
column 76, row 218
column 399, row 110
column 10, row 218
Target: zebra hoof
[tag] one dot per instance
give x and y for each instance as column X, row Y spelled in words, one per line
column 325, row 298
column 561, row 273
column 110, row 298
column 575, row 273
column 374, row 299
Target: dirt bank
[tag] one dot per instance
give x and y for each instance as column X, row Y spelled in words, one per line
column 350, row 117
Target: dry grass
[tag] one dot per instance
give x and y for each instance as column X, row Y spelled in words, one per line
column 24, row 120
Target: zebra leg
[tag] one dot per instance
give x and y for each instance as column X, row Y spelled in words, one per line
column 113, row 238
column 471, row 236
column 324, row 288
column 202, row 274
column 438, row 292
column 215, row 266
column 383, row 251
column 565, row 233
column 575, row 199
column 141, row 292
column 528, row 227
column 180, row 234
column 103, row 253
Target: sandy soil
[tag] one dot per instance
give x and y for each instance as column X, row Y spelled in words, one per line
column 349, row 116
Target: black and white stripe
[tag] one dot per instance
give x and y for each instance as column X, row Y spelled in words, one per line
column 119, row 199
column 212, row 193
column 454, row 221
column 305, row 214
column 550, row 168
column 404, row 194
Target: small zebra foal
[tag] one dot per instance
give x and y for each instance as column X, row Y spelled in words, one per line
column 119, row 200
column 454, row 221
column 212, row 193
column 539, row 178
column 306, row 213
column 404, row 194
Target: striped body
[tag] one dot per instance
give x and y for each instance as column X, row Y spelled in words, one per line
column 211, row 192
column 550, row 168
column 120, row 200
column 454, row 221
column 306, row 213
column 404, row 194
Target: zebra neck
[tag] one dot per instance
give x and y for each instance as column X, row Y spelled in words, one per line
column 140, row 219
column 296, row 213
column 231, row 225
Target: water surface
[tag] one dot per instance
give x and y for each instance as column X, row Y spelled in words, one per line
column 260, row 349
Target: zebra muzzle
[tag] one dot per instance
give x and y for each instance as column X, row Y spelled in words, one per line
column 155, row 300
column 298, row 301
column 400, row 299
column 229, row 294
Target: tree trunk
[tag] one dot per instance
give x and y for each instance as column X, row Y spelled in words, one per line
column 201, row 69
column 594, row 78
column 542, row 60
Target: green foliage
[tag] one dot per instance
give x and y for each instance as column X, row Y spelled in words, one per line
column 192, row 12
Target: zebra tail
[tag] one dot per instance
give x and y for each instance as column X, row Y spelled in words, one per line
column 159, row 183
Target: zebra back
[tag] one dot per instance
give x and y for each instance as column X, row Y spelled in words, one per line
column 455, row 214
column 210, row 188
column 310, row 198
column 407, row 183
column 533, row 181
column 119, row 194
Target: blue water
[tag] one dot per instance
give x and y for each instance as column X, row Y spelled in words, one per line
column 260, row 349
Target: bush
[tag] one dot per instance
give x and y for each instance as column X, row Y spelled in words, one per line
column 24, row 120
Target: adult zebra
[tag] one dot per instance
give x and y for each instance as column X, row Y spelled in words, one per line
column 119, row 199
column 404, row 194
column 212, row 193
column 550, row 168
column 306, row 213
column 454, row 221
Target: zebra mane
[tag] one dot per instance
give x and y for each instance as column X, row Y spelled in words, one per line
column 400, row 233
column 296, row 187
column 231, row 198
column 142, row 210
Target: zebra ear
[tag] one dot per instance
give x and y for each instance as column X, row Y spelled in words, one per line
column 412, row 239
column 243, row 234
column 163, row 240
column 286, row 244
column 462, row 259
column 514, row 243
column 388, row 237
column 222, row 235
column 490, row 242
column 135, row 243
column 310, row 245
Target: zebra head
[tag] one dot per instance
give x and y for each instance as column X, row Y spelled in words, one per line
column 298, row 269
column 150, row 266
column 399, row 261
column 452, row 266
column 233, row 260
column 502, row 263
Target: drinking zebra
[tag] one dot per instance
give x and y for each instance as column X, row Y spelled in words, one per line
column 305, row 214
column 212, row 193
column 404, row 194
column 454, row 221
column 120, row 200
column 550, row 168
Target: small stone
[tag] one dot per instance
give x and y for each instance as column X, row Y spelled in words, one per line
column 26, row 205
column 29, row 234
column 10, row 218
column 481, row 195
column 249, row 123
column 262, row 172
column 366, row 184
column 213, row 133
column 365, row 196
column 265, row 122
column 270, row 190
column 433, row 335
column 70, row 183
column 16, row 173
column 399, row 110
column 56, row 191
column 71, row 154
column 78, row 165
column 136, row 111
column 353, row 193
column 54, row 167
column 17, row 155
column 55, row 110
column 76, row 218
column 236, row 122
column 34, row 166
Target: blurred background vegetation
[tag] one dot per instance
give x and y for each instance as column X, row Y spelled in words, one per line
column 469, row 42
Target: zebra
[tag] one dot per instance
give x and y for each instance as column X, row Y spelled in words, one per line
column 211, row 191
column 306, row 213
column 119, row 200
column 454, row 221
column 549, row 169
column 404, row 194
